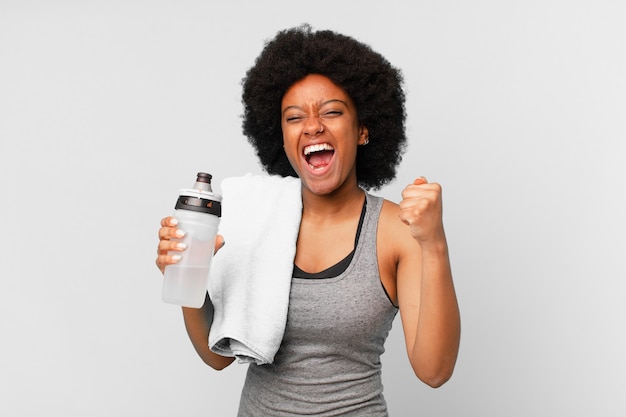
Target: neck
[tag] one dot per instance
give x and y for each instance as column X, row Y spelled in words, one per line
column 340, row 202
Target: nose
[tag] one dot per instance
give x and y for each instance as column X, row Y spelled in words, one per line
column 313, row 126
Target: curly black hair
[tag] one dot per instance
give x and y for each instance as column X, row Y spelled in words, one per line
column 375, row 86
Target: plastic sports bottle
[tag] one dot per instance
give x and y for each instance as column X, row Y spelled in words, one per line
column 198, row 212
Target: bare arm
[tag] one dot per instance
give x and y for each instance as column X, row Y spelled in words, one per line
column 198, row 323
column 426, row 295
column 197, row 320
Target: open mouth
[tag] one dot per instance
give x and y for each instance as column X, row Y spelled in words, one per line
column 319, row 155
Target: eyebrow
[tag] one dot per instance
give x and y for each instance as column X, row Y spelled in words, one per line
column 322, row 104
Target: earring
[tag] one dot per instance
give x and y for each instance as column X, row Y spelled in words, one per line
column 367, row 140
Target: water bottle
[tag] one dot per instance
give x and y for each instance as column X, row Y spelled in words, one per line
column 198, row 212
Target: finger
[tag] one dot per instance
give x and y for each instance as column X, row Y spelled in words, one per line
column 427, row 190
column 170, row 232
column 168, row 228
column 170, row 245
column 164, row 260
column 411, row 189
column 169, row 221
column 404, row 219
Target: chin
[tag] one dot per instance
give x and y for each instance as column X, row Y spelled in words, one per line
column 324, row 186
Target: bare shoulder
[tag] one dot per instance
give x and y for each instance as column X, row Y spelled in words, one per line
column 392, row 231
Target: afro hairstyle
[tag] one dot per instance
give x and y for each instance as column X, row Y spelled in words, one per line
column 375, row 86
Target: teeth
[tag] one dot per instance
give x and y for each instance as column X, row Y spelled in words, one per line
column 317, row 147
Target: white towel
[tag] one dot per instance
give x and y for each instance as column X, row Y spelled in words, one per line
column 250, row 276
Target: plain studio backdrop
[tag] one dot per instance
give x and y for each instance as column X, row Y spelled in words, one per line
column 107, row 108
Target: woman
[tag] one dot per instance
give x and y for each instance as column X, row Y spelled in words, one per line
column 326, row 108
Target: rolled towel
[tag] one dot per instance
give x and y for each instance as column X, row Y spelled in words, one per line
column 250, row 276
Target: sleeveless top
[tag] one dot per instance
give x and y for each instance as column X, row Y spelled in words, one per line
column 328, row 363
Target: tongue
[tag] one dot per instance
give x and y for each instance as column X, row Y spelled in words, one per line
column 321, row 158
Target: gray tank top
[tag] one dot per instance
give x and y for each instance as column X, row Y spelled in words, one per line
column 329, row 361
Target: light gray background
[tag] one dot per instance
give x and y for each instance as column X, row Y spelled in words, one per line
column 106, row 108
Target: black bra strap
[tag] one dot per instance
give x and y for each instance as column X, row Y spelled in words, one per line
column 340, row 266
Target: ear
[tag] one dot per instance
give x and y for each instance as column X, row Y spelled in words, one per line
column 364, row 135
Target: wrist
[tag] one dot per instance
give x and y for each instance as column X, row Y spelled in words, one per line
column 436, row 247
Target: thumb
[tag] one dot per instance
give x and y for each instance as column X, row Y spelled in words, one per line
column 219, row 243
column 420, row 181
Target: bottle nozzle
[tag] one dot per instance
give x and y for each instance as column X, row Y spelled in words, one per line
column 203, row 182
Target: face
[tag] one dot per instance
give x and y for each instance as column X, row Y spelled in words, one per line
column 321, row 133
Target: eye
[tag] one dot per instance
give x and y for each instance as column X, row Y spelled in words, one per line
column 293, row 118
column 332, row 113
